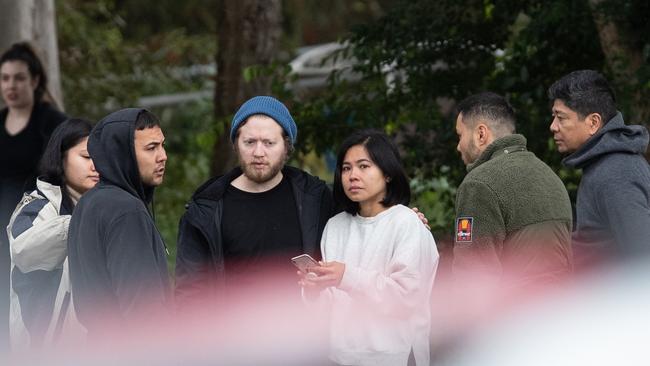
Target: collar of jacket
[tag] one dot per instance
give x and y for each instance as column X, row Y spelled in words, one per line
column 504, row 145
column 214, row 188
column 50, row 191
column 614, row 137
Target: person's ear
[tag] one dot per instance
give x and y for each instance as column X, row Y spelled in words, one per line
column 482, row 134
column 35, row 81
column 594, row 123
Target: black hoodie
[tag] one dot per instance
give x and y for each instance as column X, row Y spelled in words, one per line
column 116, row 255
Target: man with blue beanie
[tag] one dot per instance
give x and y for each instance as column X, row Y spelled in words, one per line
column 242, row 228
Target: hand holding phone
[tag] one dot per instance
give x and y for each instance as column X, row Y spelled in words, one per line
column 305, row 263
column 317, row 275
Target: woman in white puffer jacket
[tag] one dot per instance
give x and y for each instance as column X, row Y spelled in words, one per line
column 41, row 303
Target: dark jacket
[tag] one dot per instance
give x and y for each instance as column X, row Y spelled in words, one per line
column 613, row 205
column 117, row 257
column 200, row 256
column 520, row 216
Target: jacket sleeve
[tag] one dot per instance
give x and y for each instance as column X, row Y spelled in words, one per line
column 625, row 205
column 192, row 261
column 134, row 265
column 328, row 209
column 477, row 255
column 398, row 288
column 38, row 237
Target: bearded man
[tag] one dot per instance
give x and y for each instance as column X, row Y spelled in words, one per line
column 513, row 214
column 242, row 228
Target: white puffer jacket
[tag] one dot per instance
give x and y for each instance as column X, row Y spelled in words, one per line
column 41, row 303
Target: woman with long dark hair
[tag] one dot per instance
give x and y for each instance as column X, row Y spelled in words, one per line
column 38, row 230
column 379, row 260
column 27, row 122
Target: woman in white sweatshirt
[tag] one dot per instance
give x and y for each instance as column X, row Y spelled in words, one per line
column 41, row 303
column 379, row 260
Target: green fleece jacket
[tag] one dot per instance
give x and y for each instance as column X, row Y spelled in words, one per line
column 513, row 217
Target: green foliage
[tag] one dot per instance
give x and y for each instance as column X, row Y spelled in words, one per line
column 539, row 53
column 631, row 19
column 106, row 66
column 188, row 164
column 435, row 197
column 103, row 71
column 409, row 64
column 423, row 56
column 150, row 17
column 412, row 65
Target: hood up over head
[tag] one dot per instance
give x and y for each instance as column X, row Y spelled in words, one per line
column 111, row 146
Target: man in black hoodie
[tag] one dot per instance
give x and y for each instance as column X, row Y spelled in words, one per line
column 117, row 259
column 613, row 205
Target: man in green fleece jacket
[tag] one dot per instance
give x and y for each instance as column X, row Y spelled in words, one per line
column 513, row 214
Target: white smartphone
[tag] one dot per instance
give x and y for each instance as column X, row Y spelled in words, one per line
column 304, row 262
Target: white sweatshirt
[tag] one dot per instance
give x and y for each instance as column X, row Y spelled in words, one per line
column 381, row 310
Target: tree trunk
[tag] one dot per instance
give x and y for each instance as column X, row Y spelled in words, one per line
column 34, row 21
column 248, row 35
column 623, row 59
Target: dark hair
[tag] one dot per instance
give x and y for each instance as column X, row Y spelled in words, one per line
column 495, row 109
column 585, row 92
column 384, row 153
column 146, row 119
column 64, row 137
column 22, row 51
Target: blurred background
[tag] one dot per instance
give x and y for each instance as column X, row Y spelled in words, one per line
column 339, row 65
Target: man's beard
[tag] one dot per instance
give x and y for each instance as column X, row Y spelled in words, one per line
column 472, row 153
column 264, row 176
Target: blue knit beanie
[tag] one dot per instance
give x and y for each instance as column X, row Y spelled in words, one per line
column 268, row 106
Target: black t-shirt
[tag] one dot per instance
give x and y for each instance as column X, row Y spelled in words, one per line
column 261, row 232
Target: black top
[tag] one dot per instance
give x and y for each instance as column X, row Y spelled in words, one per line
column 200, row 267
column 261, row 233
column 20, row 153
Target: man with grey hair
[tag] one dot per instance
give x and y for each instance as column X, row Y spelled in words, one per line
column 513, row 214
